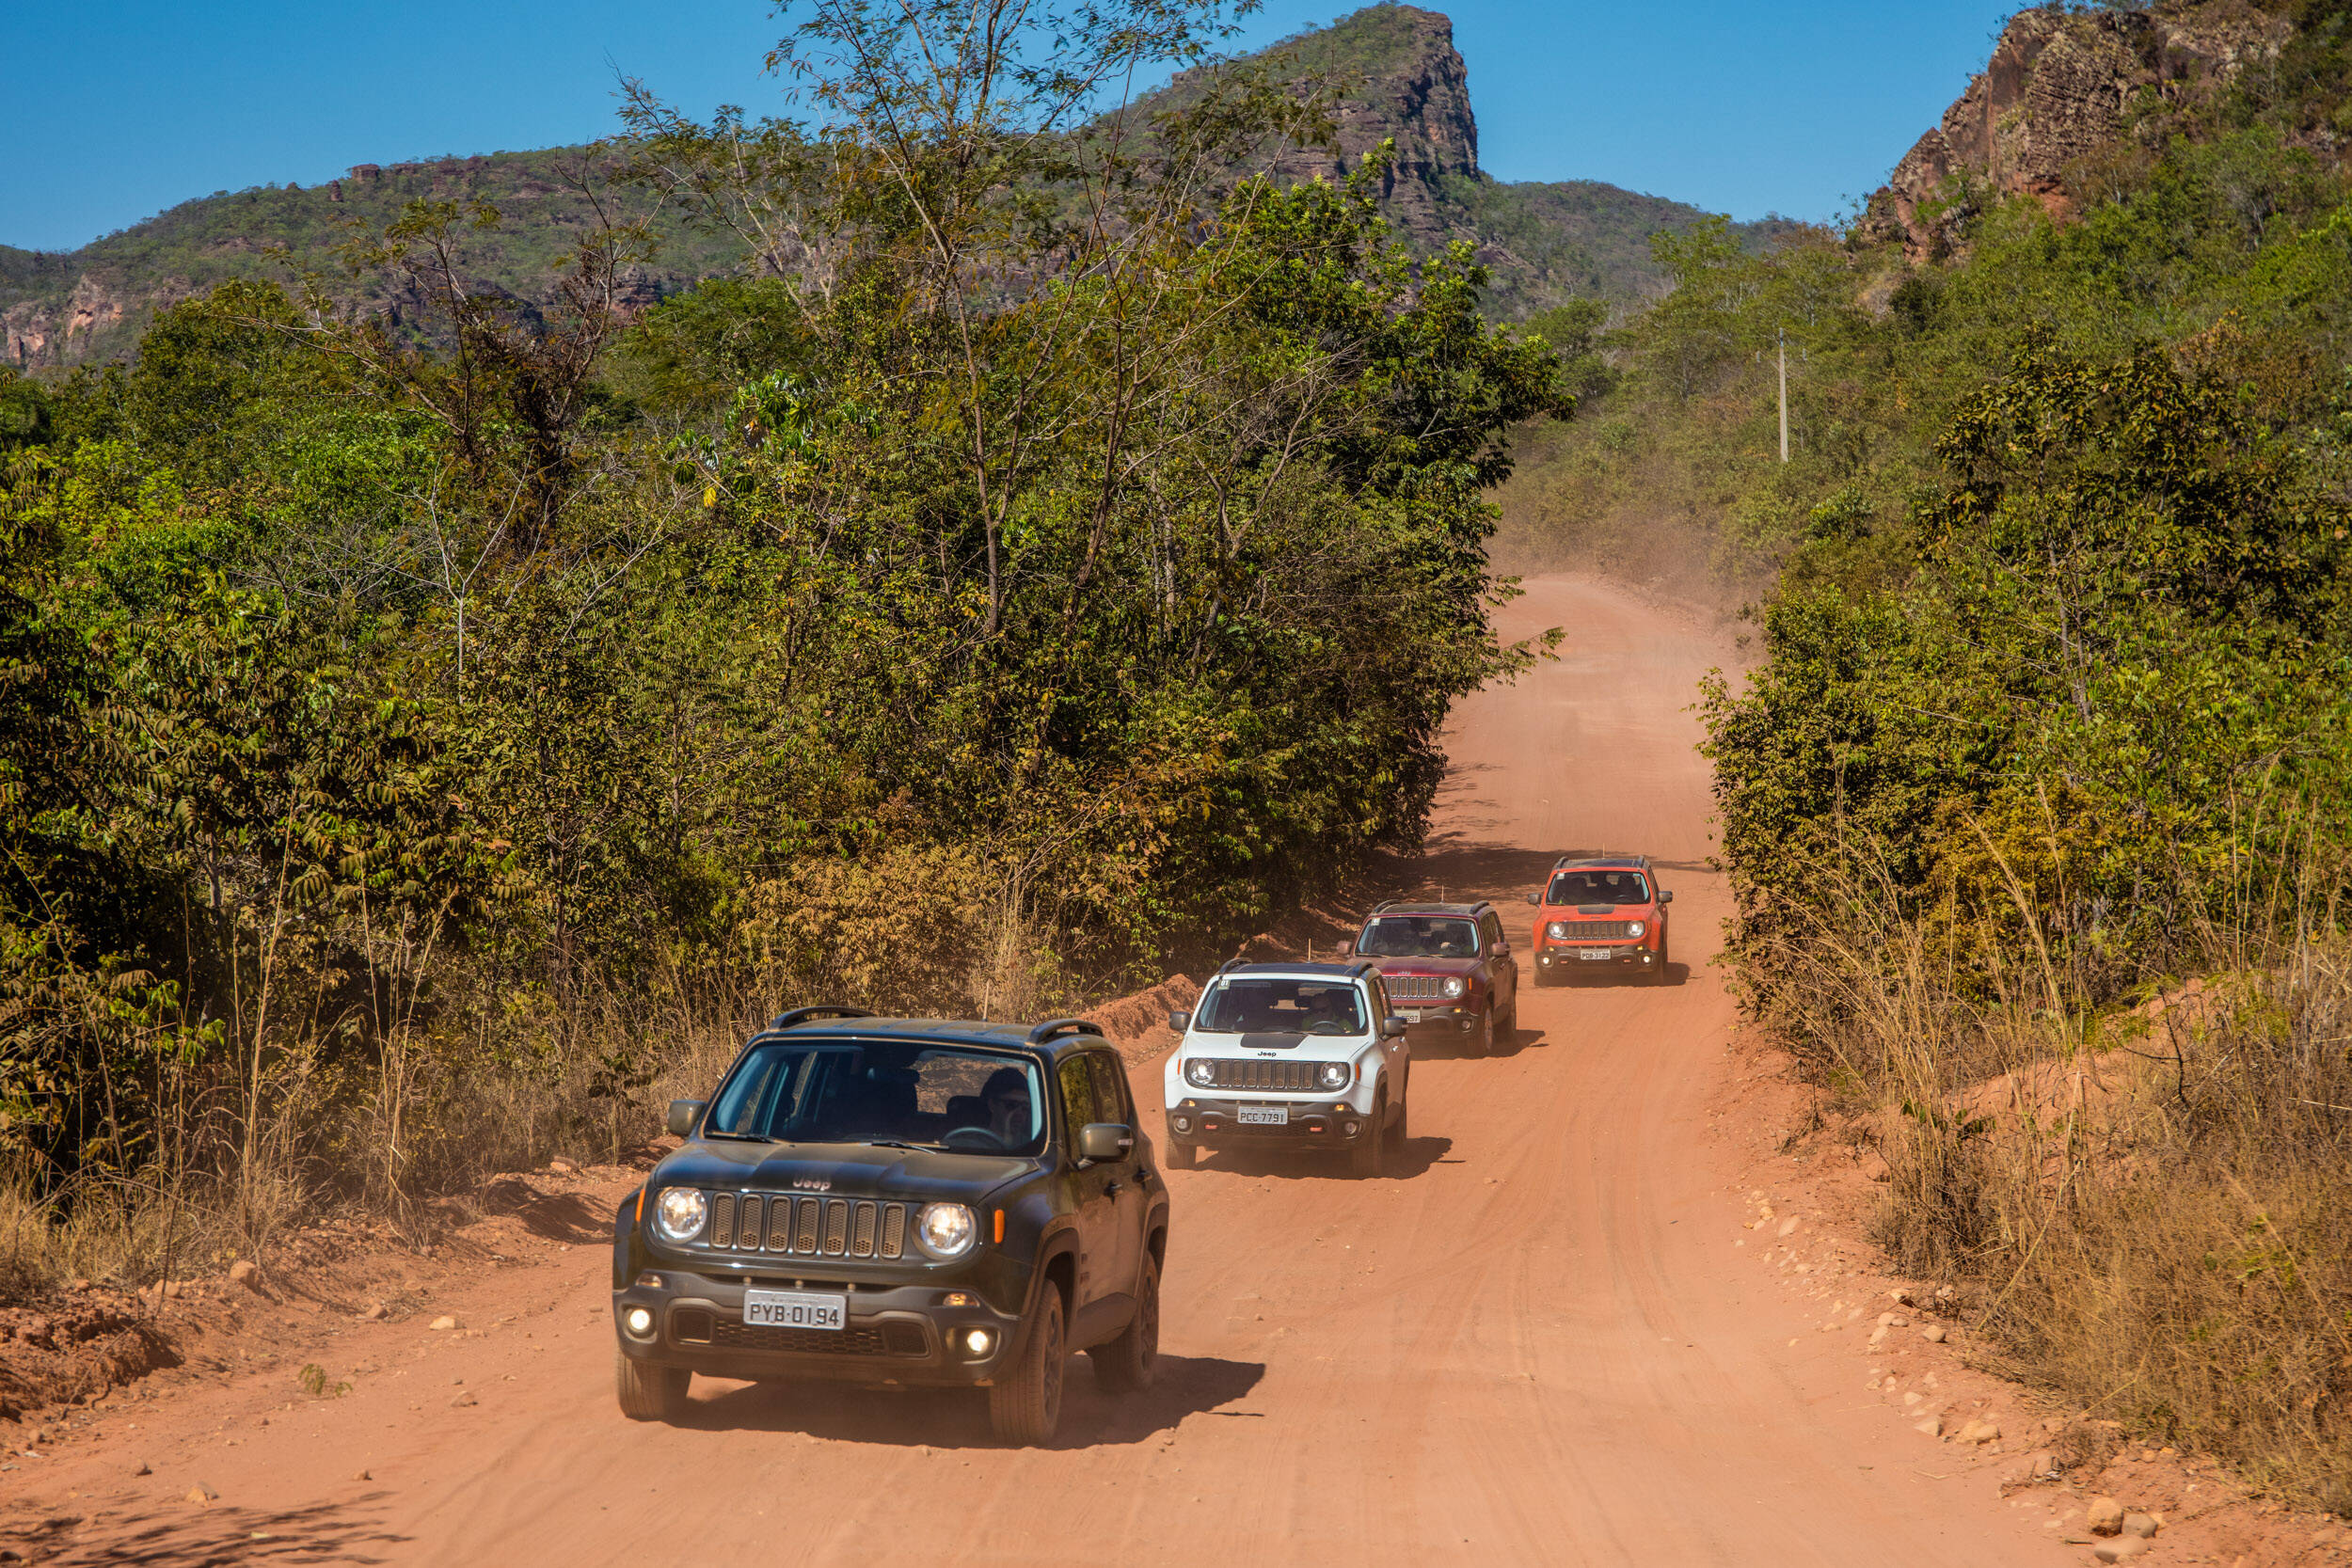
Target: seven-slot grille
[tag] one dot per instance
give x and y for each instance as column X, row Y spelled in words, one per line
column 1597, row 930
column 1416, row 988
column 1253, row 1072
column 806, row 1226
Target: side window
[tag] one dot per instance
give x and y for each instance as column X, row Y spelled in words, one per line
column 1381, row 1006
column 1489, row 930
column 1077, row 1098
column 1110, row 1088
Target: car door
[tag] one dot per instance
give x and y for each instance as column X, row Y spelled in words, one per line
column 1396, row 1055
column 1503, row 965
column 1092, row 1206
column 1131, row 1198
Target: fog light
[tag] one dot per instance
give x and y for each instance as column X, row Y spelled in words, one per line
column 638, row 1321
column 979, row 1341
column 1351, row 1129
column 1184, row 1124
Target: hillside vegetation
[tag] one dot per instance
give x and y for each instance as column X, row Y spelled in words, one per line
column 2051, row 719
column 424, row 747
column 1387, row 73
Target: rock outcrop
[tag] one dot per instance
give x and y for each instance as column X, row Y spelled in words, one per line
column 2061, row 84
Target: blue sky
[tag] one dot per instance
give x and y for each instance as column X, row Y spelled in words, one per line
column 123, row 108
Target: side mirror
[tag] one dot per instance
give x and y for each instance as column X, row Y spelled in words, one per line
column 683, row 1114
column 1534, row 897
column 1180, row 1021
column 1665, row 897
column 1393, row 1027
column 1105, row 1140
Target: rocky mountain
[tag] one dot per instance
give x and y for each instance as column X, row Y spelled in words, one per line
column 2063, row 85
column 1403, row 77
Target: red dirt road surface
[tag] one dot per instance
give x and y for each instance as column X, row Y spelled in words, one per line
column 1534, row 1341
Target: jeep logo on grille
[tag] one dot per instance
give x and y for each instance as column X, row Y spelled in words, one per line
column 811, row 1184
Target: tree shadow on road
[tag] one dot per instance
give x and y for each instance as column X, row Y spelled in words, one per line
column 186, row 1535
column 958, row 1417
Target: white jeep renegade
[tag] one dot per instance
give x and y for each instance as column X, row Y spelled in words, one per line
column 1292, row 1057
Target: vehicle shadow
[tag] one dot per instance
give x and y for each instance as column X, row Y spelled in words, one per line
column 1413, row 1159
column 556, row 1217
column 1677, row 974
column 958, row 1417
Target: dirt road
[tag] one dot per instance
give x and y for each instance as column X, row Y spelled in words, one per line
column 1535, row 1343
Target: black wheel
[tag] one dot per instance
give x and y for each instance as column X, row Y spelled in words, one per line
column 1128, row 1363
column 1025, row 1405
column 1546, row 975
column 1660, row 977
column 1482, row 1040
column 1370, row 1144
column 1181, row 1156
column 1398, row 1129
column 650, row 1393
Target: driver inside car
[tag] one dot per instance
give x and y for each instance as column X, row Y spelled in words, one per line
column 1005, row 1101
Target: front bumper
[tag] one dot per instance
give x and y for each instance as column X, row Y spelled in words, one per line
column 1572, row 958
column 1330, row 1124
column 1443, row 1020
column 913, row 1336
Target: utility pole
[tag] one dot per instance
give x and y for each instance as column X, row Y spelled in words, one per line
column 1784, row 394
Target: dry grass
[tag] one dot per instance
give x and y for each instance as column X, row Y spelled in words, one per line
column 489, row 1075
column 2151, row 1215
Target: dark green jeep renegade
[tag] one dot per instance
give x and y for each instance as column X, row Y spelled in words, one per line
column 898, row 1202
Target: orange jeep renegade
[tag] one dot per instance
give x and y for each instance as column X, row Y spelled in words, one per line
column 1600, row 914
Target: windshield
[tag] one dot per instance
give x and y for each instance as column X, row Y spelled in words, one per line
column 881, row 1091
column 1598, row 887
column 1255, row 1006
column 1419, row 936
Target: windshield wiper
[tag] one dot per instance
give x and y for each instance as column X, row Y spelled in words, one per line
column 739, row 1137
column 894, row 1142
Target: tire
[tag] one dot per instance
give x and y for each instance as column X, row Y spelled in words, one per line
column 1398, row 1132
column 1025, row 1407
column 650, row 1393
column 1180, row 1156
column 1482, row 1040
column 1660, row 977
column 1546, row 976
column 1365, row 1159
column 1128, row 1363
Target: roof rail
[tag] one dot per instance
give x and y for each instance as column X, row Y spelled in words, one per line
column 791, row 1016
column 1054, row 1027
column 1231, row 963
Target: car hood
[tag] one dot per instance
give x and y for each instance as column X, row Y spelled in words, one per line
column 846, row 1170
column 1427, row 966
column 1303, row 1048
column 1597, row 911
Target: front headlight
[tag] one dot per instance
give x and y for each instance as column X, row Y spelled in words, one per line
column 1453, row 986
column 1634, row 929
column 678, row 1213
column 1557, row 930
column 946, row 1230
column 1336, row 1074
column 1201, row 1071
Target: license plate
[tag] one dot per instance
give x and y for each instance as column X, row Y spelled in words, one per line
column 1264, row 1116
column 1594, row 954
column 794, row 1309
